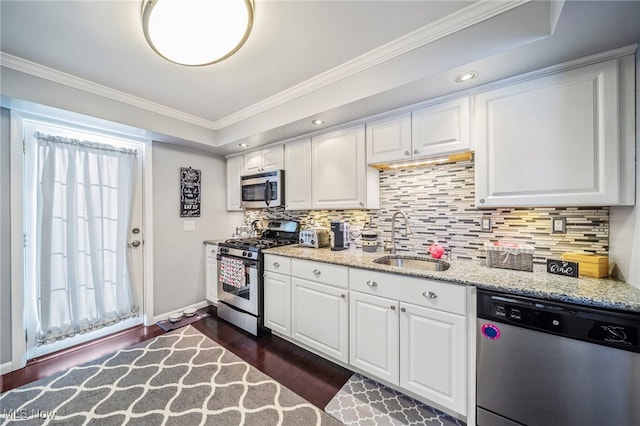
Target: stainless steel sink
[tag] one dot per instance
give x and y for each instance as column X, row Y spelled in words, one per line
column 413, row 262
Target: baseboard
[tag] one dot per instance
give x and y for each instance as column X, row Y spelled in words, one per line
column 165, row 316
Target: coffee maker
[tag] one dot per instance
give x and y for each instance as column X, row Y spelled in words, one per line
column 340, row 235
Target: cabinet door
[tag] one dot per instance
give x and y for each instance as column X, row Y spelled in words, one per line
column 273, row 158
column 234, row 195
column 277, row 303
column 297, row 163
column 338, row 168
column 374, row 335
column 253, row 162
column 389, row 139
column 320, row 318
column 552, row 141
column 433, row 355
column 211, row 273
column 441, row 129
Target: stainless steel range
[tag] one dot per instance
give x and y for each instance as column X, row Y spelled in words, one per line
column 240, row 274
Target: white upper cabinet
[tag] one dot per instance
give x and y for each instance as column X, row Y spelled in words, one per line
column 441, row 129
column 438, row 129
column 341, row 178
column 234, row 195
column 559, row 140
column 297, row 163
column 264, row 160
column 389, row 139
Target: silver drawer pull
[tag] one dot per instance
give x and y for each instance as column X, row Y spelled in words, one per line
column 343, row 295
column 276, row 265
column 430, row 295
column 372, row 283
column 393, row 308
column 316, row 272
column 403, row 310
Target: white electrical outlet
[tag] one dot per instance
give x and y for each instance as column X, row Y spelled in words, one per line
column 558, row 225
column 485, row 224
column 189, row 225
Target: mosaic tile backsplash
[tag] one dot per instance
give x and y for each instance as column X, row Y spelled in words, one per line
column 439, row 203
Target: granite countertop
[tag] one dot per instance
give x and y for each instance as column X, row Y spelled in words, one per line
column 603, row 293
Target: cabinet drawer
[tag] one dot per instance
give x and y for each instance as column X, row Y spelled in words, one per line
column 326, row 273
column 419, row 291
column 278, row 264
column 211, row 250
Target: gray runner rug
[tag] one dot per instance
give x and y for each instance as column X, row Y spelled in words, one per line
column 179, row 378
column 365, row 402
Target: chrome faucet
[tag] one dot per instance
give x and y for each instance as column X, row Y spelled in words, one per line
column 393, row 229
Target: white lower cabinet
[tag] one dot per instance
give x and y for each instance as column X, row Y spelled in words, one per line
column 277, row 303
column 408, row 332
column 320, row 317
column 211, row 272
column 433, row 355
column 374, row 335
column 277, row 294
column 411, row 332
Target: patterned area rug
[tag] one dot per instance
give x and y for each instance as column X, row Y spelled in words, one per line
column 179, row 378
column 363, row 401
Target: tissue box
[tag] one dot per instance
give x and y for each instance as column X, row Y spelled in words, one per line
column 589, row 265
column 509, row 256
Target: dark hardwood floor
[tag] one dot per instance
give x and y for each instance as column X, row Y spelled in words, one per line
column 308, row 375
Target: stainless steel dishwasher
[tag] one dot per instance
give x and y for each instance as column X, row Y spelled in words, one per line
column 542, row 363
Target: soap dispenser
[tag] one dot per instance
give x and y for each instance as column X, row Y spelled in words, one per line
column 436, row 250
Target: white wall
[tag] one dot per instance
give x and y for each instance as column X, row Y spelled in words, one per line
column 624, row 231
column 178, row 255
column 5, row 247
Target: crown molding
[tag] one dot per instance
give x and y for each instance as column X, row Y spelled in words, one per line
column 37, row 70
column 457, row 21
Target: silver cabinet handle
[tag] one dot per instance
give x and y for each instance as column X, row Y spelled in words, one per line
column 276, row 265
column 134, row 244
column 393, row 308
column 415, row 151
column 372, row 283
column 316, row 272
column 343, row 295
column 403, row 310
column 213, row 251
column 407, row 153
column 481, row 200
column 430, row 295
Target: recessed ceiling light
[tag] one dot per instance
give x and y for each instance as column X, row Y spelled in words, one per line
column 466, row 76
column 243, row 145
column 318, row 122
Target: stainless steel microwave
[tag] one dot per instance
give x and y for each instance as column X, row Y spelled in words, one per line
column 263, row 190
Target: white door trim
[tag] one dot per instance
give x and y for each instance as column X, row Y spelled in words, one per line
column 18, row 321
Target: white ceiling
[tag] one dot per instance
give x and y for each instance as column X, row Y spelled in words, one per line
column 342, row 60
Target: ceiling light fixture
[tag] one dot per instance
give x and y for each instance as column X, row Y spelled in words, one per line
column 243, row 145
column 317, row 122
column 466, row 76
column 197, row 32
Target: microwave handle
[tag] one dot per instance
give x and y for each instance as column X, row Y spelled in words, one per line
column 267, row 192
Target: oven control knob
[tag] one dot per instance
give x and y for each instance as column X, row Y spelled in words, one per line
column 244, row 254
column 301, row 241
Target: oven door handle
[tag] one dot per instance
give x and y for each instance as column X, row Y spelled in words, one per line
column 247, row 262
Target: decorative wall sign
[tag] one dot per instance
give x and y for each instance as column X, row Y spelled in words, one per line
column 189, row 192
column 562, row 267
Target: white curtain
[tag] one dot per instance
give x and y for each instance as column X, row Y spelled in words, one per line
column 85, row 193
